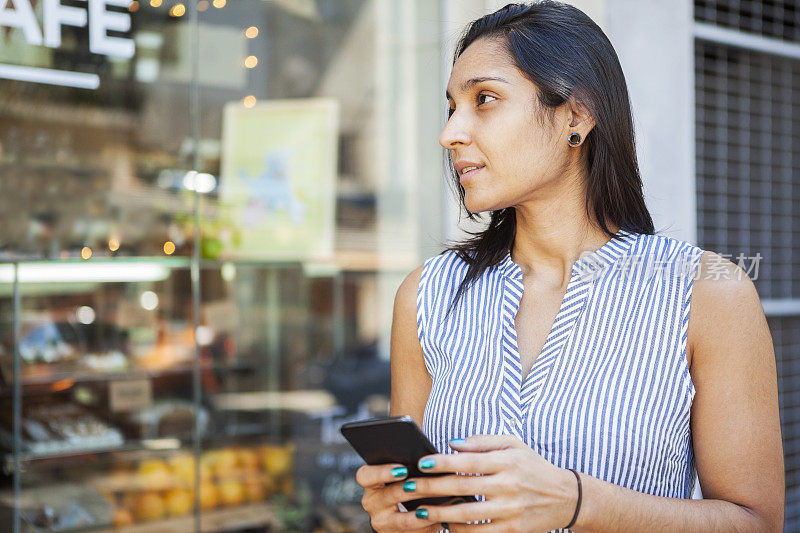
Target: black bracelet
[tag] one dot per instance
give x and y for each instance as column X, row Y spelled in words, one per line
column 578, row 506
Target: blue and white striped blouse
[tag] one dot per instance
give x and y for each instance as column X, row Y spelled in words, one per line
column 610, row 393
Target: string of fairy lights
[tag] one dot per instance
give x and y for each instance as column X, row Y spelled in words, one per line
column 176, row 10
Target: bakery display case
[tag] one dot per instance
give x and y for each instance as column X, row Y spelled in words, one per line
column 109, row 428
column 206, row 213
column 125, row 416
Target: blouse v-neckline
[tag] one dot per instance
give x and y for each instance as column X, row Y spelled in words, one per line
column 519, row 393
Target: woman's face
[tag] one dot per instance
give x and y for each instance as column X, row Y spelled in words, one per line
column 493, row 124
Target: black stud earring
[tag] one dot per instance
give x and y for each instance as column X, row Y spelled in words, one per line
column 574, row 138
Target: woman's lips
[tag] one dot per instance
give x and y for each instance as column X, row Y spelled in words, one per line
column 469, row 175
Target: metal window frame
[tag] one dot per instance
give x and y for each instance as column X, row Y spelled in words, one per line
column 773, row 307
column 750, row 41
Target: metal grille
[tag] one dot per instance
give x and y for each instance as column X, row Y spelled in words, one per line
column 771, row 18
column 747, row 133
column 786, row 337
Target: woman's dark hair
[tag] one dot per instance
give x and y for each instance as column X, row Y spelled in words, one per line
column 560, row 49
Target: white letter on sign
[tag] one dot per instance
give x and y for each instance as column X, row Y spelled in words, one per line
column 102, row 20
column 58, row 15
column 22, row 17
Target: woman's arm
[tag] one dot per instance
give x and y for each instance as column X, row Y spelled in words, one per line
column 411, row 383
column 735, row 423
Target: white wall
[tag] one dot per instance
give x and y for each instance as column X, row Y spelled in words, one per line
column 654, row 42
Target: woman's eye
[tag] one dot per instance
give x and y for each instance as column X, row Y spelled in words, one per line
column 452, row 110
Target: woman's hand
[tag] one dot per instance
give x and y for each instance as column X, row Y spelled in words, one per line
column 383, row 489
column 522, row 490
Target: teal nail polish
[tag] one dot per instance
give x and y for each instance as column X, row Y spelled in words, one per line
column 409, row 486
column 426, row 464
column 421, row 513
column 400, row 471
column 457, row 441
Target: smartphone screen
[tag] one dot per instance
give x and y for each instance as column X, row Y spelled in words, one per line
column 397, row 440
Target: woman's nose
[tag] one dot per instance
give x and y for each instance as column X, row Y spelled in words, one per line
column 454, row 132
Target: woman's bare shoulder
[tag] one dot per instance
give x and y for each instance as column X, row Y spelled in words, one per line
column 407, row 292
column 411, row 382
column 723, row 296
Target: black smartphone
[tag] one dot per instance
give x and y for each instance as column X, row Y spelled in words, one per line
column 397, row 440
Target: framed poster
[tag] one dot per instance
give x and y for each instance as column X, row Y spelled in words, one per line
column 278, row 179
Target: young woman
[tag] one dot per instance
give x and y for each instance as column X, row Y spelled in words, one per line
column 557, row 346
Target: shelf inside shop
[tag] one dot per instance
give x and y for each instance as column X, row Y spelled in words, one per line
column 343, row 260
column 169, row 262
column 130, row 451
column 52, row 113
column 233, row 518
column 137, row 450
column 155, row 198
column 242, row 433
column 127, row 482
column 259, row 474
column 48, row 164
column 212, row 521
column 64, row 378
column 305, row 401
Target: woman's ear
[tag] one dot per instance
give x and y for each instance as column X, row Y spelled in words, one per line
column 580, row 120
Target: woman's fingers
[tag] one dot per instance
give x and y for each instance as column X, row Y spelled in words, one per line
column 450, row 485
column 398, row 521
column 376, row 476
column 382, row 492
column 490, row 462
column 465, row 512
